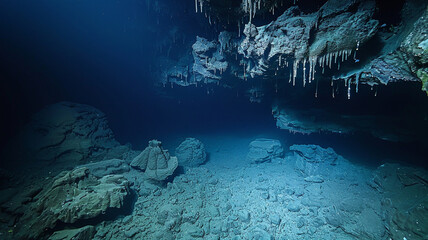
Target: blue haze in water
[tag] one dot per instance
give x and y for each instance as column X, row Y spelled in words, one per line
column 104, row 54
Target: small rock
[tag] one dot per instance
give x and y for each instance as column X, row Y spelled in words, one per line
column 213, row 181
column 294, row 206
column 244, row 216
column 275, row 219
column 301, row 222
column 131, row 232
column 265, row 195
column 126, row 219
column 312, row 230
column 314, row 179
column 299, row 192
column 318, row 222
column 289, row 191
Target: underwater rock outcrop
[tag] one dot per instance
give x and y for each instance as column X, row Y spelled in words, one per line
column 403, row 56
column 318, row 38
column 191, row 153
column 382, row 126
column 66, row 134
column 405, row 200
column 156, row 162
column 107, row 167
column 209, row 62
column 313, row 160
column 264, row 150
column 83, row 233
column 74, row 196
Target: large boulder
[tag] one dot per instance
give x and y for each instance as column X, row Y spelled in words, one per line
column 313, row 160
column 67, row 134
column 264, row 150
column 155, row 161
column 191, row 153
column 73, row 197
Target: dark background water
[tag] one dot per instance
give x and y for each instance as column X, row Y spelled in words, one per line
column 101, row 53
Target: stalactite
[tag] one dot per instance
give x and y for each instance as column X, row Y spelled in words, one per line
column 357, row 81
column 304, row 72
column 313, row 67
column 239, row 28
column 254, row 9
column 279, row 60
column 316, row 90
column 310, row 68
column 201, row 4
column 196, row 6
column 349, row 88
column 323, row 63
column 295, row 66
column 251, row 10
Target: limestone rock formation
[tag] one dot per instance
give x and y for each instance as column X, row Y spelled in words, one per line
column 264, row 150
column 312, row 120
column 74, row 196
column 405, row 194
column 107, row 167
column 68, row 134
column 415, row 45
column 83, row 233
column 403, row 57
column 312, row 160
column 156, row 162
column 191, row 153
column 209, row 62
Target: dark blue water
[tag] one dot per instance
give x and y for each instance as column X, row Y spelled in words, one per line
column 101, row 53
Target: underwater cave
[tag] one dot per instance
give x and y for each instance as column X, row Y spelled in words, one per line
column 214, row 119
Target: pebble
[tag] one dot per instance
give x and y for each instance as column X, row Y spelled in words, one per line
column 294, row 207
column 314, row 179
column 265, row 195
column 275, row 219
column 244, row 216
column 301, row 222
column 131, row 232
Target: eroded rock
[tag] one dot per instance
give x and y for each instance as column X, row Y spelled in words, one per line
column 73, row 196
column 191, row 153
column 66, row 134
column 264, row 150
column 156, row 163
